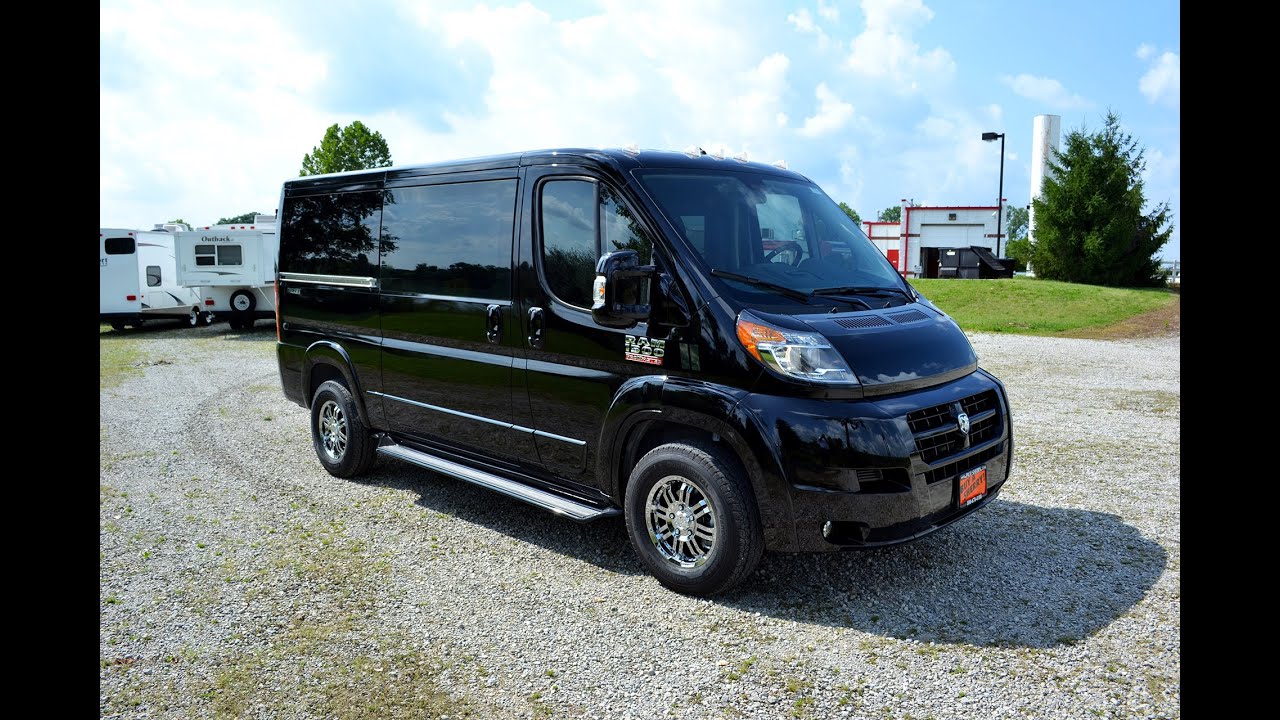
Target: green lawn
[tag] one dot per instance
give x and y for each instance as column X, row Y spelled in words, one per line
column 1032, row 306
column 118, row 357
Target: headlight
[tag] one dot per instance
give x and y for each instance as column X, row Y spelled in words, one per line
column 801, row 355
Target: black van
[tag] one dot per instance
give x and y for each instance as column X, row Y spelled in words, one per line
column 709, row 347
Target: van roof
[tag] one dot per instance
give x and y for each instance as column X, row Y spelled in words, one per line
column 616, row 159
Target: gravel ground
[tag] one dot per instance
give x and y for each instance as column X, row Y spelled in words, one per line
column 239, row 579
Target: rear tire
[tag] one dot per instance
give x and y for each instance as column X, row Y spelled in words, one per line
column 342, row 442
column 692, row 518
column 193, row 319
column 206, row 319
column 118, row 326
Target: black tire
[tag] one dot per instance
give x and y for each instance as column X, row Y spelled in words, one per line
column 700, row 497
column 342, row 442
column 118, row 326
column 206, row 319
column 192, row 320
column 235, row 323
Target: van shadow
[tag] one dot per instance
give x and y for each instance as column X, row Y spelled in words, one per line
column 1011, row 575
column 262, row 331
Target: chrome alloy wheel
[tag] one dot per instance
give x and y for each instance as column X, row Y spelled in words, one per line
column 681, row 521
column 333, row 430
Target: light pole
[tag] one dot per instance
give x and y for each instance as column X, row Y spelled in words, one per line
column 989, row 136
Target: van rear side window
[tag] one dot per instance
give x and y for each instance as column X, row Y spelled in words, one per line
column 119, row 246
column 331, row 233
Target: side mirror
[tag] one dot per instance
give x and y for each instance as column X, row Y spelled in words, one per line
column 620, row 293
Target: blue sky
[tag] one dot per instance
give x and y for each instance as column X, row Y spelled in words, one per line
column 206, row 107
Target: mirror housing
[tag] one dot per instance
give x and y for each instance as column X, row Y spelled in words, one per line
column 620, row 292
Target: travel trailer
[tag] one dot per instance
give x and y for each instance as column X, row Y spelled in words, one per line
column 234, row 266
column 140, row 279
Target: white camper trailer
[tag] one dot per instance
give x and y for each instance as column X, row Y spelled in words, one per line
column 140, row 279
column 234, row 266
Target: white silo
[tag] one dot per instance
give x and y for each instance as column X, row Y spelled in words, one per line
column 1046, row 132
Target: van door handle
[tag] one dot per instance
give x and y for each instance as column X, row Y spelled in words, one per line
column 493, row 324
column 536, row 325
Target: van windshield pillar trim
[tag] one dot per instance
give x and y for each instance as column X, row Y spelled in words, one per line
column 481, row 418
column 342, row 280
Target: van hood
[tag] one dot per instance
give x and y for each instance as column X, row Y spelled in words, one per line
column 895, row 349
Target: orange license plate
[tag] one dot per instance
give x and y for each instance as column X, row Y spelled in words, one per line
column 973, row 485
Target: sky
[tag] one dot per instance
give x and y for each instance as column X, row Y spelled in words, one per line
column 207, row 107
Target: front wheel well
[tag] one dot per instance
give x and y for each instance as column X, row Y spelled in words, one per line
column 654, row 433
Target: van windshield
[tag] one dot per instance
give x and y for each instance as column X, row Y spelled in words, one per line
column 767, row 234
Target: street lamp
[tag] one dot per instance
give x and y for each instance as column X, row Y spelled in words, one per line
column 988, row 137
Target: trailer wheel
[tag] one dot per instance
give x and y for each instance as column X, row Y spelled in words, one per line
column 206, row 319
column 118, row 326
column 242, row 301
column 193, row 319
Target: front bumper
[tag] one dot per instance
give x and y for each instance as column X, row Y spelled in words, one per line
column 884, row 471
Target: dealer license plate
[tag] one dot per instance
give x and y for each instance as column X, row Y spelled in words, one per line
column 973, row 485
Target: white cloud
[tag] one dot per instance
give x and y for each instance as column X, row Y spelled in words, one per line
column 828, row 12
column 885, row 49
column 832, row 114
column 1047, row 91
column 1144, row 51
column 1162, row 82
column 803, row 22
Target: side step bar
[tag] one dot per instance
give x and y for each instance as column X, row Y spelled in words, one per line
column 557, row 504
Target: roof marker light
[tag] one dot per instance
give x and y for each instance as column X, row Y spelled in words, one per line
column 631, row 149
column 741, row 157
column 694, row 151
column 781, row 164
column 718, row 153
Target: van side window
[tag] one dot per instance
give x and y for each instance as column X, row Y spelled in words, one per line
column 331, row 233
column 118, row 246
column 153, row 276
column 581, row 221
column 449, row 239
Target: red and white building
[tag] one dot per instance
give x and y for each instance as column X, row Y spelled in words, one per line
column 916, row 244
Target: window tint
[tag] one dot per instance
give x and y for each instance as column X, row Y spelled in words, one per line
column 118, row 246
column 449, row 239
column 229, row 255
column 331, row 234
column 581, row 221
column 153, row 276
column 205, row 255
column 569, row 239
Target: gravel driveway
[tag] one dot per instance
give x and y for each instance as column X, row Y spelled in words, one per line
column 238, row 579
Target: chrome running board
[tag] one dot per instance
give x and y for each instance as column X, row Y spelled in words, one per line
column 557, row 504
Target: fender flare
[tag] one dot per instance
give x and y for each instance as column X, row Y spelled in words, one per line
column 709, row 407
column 327, row 352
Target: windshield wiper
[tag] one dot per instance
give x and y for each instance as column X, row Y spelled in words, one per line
column 780, row 289
column 863, row 290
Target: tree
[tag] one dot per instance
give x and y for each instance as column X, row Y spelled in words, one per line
column 354, row 147
column 1019, row 246
column 178, row 220
column 1090, row 225
column 891, row 214
column 239, row 219
column 853, row 214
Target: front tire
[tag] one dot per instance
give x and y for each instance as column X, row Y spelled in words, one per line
column 342, row 442
column 193, row 319
column 692, row 518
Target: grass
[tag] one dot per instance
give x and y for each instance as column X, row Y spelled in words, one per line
column 118, row 357
column 1032, row 306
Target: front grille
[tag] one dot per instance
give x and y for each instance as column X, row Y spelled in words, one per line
column 937, row 433
column 950, row 470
